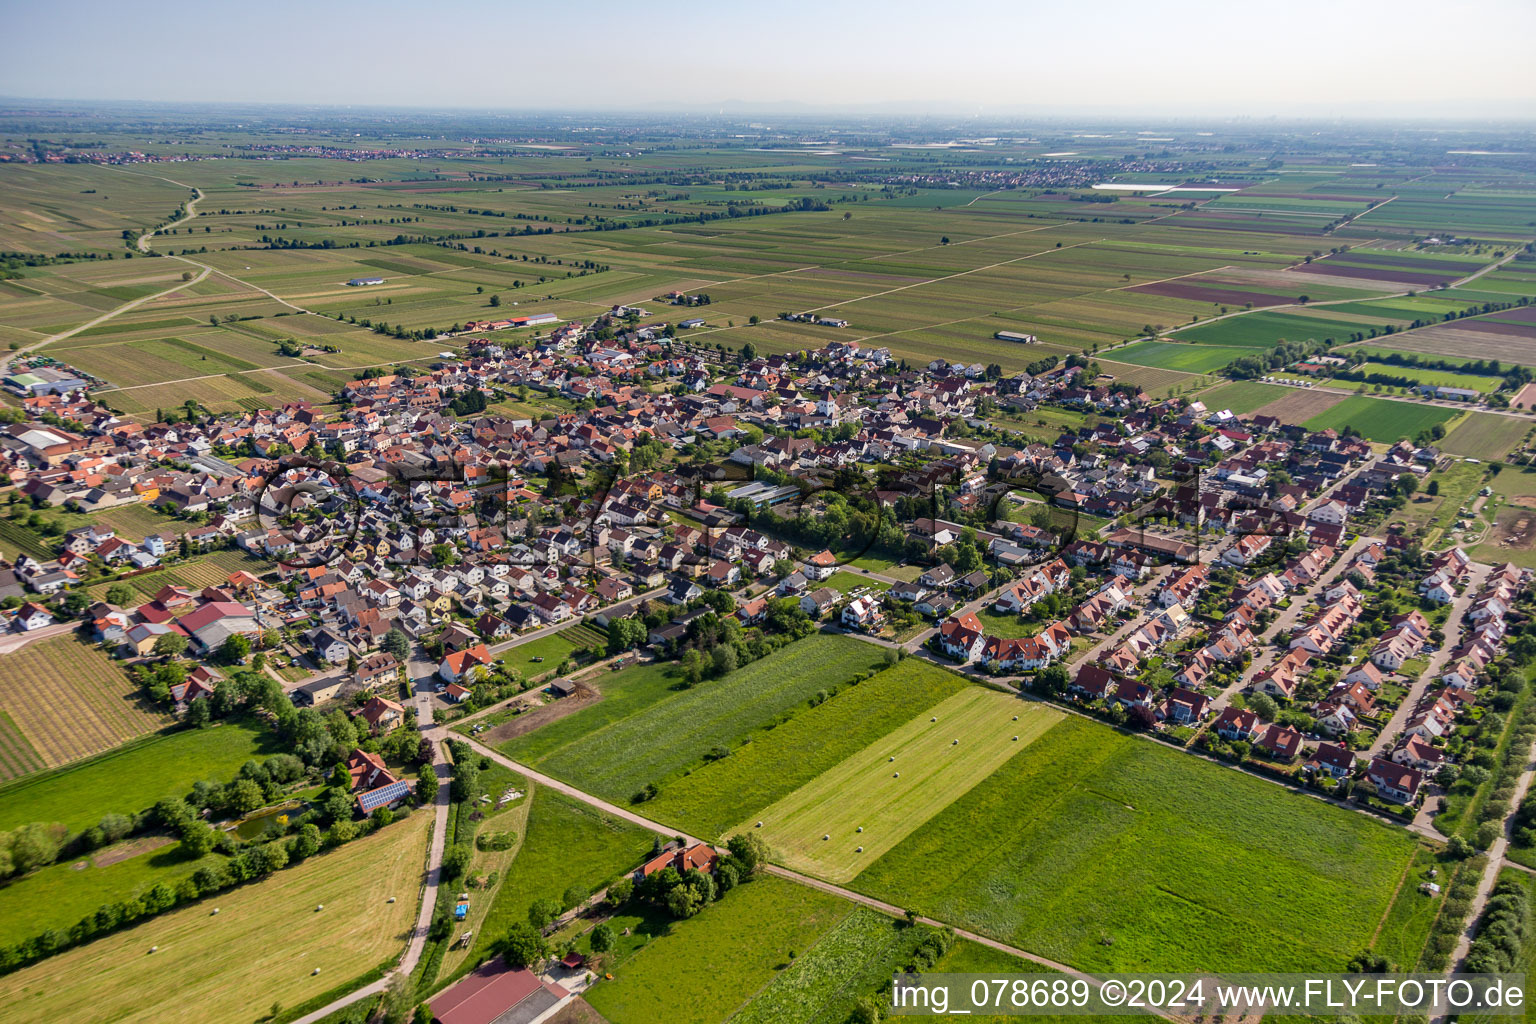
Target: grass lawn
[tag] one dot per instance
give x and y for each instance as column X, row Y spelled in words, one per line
column 874, row 563
column 61, row 894
column 1109, row 852
column 262, row 948
column 1380, row 419
column 1242, row 396
column 132, row 778
column 676, row 732
column 843, row 581
column 713, row 798
column 552, row 648
column 1004, row 624
column 898, row 782
column 751, row 935
column 565, row 843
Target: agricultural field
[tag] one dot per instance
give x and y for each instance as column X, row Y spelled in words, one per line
column 1486, row 436
column 218, row 968
column 1185, row 841
column 1242, row 397
column 713, row 798
column 1169, row 355
column 1444, row 378
column 1380, row 419
column 677, row 731
column 850, row 815
column 133, row 777
column 105, row 708
column 194, row 574
column 1263, row 330
column 754, row 934
column 1298, row 405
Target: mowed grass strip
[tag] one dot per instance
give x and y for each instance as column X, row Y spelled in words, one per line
column 1109, row 852
column 713, row 798
column 746, row 939
column 263, row 948
column 896, row 784
column 679, row 730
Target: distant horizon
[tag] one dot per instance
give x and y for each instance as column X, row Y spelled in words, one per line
column 1519, row 114
column 1308, row 59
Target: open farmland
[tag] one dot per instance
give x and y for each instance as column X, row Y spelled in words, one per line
column 676, row 732
column 718, row 795
column 871, row 801
column 624, row 756
column 1444, row 378
column 1380, row 419
column 1475, row 338
column 1486, row 436
column 1185, row 841
column 1242, row 396
column 1264, row 330
column 1298, row 405
column 43, row 678
column 218, row 968
column 1171, row 356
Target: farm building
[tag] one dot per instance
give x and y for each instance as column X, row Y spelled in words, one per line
column 692, row 322
column 363, row 282
column 1449, row 394
column 496, row 992
column 1023, row 339
column 44, row 380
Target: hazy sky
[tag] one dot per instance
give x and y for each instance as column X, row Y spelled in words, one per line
column 1400, row 57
